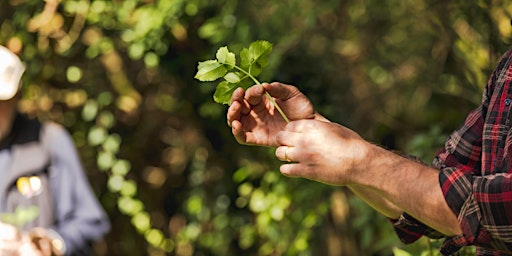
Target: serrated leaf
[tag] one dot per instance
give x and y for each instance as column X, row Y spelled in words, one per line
column 255, row 58
column 210, row 70
column 224, row 56
column 255, row 69
column 223, row 92
column 259, row 52
column 246, row 83
column 245, row 59
column 232, row 77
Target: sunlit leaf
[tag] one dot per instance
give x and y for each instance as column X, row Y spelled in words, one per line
column 400, row 252
column 141, row 221
column 129, row 188
column 112, row 143
column 223, row 92
column 224, row 56
column 130, row 206
column 232, row 77
column 96, row 136
column 115, row 183
column 259, row 52
column 90, row 110
column 105, row 160
column 154, row 237
column 73, row 74
column 121, row 167
column 258, row 201
column 210, row 70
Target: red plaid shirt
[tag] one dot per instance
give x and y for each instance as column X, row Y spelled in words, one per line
column 476, row 174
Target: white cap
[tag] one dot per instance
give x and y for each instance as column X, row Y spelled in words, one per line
column 11, row 70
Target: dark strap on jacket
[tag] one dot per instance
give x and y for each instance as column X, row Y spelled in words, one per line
column 24, row 130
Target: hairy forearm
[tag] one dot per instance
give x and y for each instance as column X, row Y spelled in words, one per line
column 377, row 201
column 408, row 185
column 370, row 196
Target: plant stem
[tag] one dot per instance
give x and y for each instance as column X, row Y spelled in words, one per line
column 266, row 93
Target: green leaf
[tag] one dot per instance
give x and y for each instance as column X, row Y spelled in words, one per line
column 259, row 52
column 246, row 83
column 247, row 63
column 224, row 56
column 400, row 252
column 252, row 60
column 255, row 58
column 255, row 69
column 232, row 77
column 223, row 92
column 210, row 70
column 245, row 59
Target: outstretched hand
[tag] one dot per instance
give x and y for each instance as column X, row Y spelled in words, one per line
column 255, row 121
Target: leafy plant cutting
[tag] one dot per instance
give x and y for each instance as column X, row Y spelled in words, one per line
column 252, row 62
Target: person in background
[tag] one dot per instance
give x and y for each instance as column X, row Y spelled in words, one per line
column 465, row 196
column 47, row 206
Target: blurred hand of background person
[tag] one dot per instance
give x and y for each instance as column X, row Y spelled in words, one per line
column 13, row 242
column 10, row 240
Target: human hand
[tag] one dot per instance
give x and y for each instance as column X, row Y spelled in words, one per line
column 44, row 242
column 36, row 242
column 325, row 152
column 10, row 240
column 28, row 248
column 254, row 119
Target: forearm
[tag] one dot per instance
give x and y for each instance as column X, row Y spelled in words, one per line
column 370, row 196
column 410, row 186
column 376, row 201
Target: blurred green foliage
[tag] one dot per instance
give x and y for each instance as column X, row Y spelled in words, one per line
column 119, row 76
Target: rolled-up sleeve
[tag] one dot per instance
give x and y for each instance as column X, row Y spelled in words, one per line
column 475, row 174
column 483, row 205
column 409, row 229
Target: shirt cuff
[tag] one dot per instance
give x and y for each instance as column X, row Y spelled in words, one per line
column 457, row 187
column 409, row 229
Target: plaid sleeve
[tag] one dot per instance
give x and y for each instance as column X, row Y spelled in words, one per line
column 409, row 229
column 483, row 205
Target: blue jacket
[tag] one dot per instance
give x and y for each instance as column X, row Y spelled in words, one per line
column 64, row 196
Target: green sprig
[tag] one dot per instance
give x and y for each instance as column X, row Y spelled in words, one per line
column 252, row 62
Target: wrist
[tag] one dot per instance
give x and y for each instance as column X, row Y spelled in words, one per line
column 375, row 166
column 363, row 164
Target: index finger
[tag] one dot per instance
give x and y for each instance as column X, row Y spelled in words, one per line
column 281, row 91
column 254, row 94
column 238, row 95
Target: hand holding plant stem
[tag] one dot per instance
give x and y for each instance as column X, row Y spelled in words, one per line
column 252, row 61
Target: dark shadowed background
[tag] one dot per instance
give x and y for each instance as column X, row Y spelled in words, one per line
column 118, row 74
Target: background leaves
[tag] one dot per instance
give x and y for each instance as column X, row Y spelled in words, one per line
column 120, row 76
